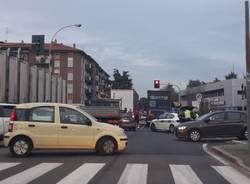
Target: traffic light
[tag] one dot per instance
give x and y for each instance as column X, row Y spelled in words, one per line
column 156, row 83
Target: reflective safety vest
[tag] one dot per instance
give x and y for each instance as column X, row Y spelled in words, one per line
column 187, row 114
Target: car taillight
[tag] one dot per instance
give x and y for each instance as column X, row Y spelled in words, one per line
column 13, row 115
column 12, row 118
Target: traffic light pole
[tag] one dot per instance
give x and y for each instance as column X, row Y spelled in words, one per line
column 247, row 67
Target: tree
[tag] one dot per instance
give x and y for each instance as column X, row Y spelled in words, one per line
column 121, row 81
column 195, row 83
column 231, row 75
column 143, row 103
column 173, row 93
column 216, row 80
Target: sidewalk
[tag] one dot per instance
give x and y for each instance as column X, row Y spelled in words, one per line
column 235, row 152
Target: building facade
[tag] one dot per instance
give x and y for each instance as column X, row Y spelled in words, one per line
column 129, row 98
column 85, row 79
column 219, row 95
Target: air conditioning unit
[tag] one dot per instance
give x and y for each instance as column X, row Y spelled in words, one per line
column 42, row 60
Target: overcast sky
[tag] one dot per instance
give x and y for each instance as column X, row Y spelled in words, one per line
column 170, row 40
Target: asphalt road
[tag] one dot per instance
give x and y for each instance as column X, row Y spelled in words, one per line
column 151, row 157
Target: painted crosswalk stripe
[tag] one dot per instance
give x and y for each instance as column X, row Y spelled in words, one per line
column 134, row 174
column 83, row 174
column 232, row 175
column 30, row 174
column 184, row 174
column 6, row 165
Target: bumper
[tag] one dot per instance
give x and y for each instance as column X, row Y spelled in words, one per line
column 6, row 140
column 122, row 143
column 181, row 133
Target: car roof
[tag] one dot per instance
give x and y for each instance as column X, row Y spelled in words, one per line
column 7, row 104
column 31, row 105
column 229, row 111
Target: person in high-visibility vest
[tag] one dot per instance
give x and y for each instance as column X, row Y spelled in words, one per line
column 187, row 115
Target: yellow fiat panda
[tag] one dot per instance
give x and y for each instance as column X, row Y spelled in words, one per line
column 60, row 126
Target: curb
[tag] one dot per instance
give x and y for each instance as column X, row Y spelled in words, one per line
column 229, row 157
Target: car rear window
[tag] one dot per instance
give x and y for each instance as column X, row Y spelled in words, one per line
column 5, row 111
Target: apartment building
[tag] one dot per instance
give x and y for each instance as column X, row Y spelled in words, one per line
column 82, row 73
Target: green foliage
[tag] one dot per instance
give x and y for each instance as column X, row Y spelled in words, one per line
column 231, row 75
column 121, row 81
column 216, row 79
column 143, row 103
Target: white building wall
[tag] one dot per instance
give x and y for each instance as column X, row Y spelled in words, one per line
column 127, row 97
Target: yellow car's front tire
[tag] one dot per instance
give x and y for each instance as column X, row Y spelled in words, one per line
column 106, row 146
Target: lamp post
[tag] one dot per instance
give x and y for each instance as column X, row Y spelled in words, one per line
column 54, row 35
column 49, row 98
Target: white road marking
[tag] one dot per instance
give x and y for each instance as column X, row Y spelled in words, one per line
column 6, row 165
column 221, row 160
column 30, row 174
column 184, row 174
column 232, row 175
column 134, row 174
column 83, row 174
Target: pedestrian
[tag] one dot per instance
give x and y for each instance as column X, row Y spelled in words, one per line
column 187, row 115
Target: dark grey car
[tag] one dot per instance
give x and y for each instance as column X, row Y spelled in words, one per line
column 215, row 124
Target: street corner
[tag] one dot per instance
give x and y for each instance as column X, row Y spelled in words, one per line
column 234, row 153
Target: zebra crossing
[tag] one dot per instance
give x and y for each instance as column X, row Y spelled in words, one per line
column 133, row 173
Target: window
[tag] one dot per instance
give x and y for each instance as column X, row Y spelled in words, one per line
column 70, row 62
column 71, row 116
column 57, row 63
column 56, row 71
column 217, row 117
column 243, row 117
column 170, row 116
column 42, row 114
column 233, row 116
column 5, row 111
column 70, row 88
column 22, row 115
column 70, row 76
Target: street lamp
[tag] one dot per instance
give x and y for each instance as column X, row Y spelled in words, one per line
column 64, row 27
column 50, row 47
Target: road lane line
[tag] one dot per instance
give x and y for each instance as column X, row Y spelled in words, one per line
column 232, row 175
column 83, row 174
column 30, row 174
column 134, row 174
column 6, row 165
column 184, row 174
column 221, row 160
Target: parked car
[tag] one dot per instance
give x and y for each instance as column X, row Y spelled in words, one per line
column 166, row 122
column 60, row 126
column 127, row 122
column 5, row 111
column 215, row 124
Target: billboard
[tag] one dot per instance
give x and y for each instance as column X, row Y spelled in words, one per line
column 159, row 100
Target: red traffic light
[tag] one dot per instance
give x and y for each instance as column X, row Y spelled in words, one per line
column 156, row 83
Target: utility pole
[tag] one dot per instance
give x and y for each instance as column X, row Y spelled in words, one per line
column 247, row 67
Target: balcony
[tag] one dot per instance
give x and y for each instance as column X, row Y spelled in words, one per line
column 88, row 91
column 89, row 68
column 88, row 79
